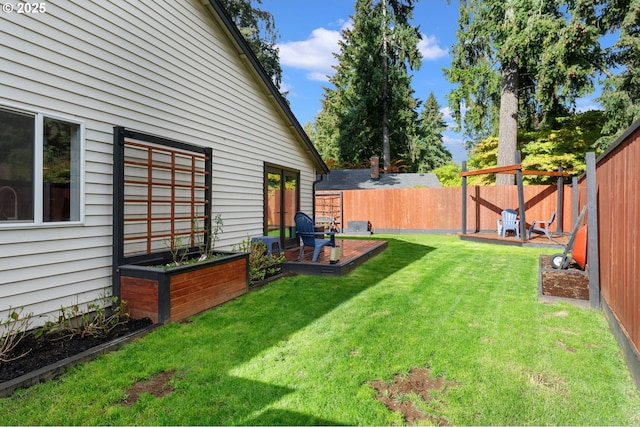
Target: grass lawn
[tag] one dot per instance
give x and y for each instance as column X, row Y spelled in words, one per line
column 303, row 350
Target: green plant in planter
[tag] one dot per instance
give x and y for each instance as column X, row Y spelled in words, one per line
column 207, row 248
column 181, row 252
column 261, row 264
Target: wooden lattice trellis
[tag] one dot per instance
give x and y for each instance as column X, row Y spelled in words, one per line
column 161, row 195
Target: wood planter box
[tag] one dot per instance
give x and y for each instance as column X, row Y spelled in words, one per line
column 569, row 285
column 176, row 293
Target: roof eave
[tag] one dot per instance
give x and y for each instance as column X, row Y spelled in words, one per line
column 247, row 53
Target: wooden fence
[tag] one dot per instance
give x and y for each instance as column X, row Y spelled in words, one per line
column 618, row 181
column 439, row 210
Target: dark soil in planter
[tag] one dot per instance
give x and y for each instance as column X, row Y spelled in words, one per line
column 51, row 348
column 570, row 283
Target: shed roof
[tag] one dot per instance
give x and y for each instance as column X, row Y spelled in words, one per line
column 358, row 179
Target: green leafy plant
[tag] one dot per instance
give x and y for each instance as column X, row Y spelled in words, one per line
column 96, row 320
column 179, row 251
column 207, row 249
column 13, row 329
column 261, row 264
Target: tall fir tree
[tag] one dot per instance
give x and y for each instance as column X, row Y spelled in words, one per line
column 521, row 62
column 621, row 92
column 427, row 150
column 372, row 102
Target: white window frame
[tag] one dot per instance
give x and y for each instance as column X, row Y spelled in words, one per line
column 38, row 159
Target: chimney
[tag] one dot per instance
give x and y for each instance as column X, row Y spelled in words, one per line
column 375, row 167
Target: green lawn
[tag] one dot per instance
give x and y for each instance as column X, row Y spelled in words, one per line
column 302, row 350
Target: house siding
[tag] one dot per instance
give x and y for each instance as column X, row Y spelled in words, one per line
column 162, row 67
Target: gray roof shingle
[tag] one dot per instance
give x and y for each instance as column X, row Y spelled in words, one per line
column 358, row 179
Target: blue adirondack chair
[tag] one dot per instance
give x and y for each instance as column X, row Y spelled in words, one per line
column 542, row 226
column 510, row 222
column 310, row 238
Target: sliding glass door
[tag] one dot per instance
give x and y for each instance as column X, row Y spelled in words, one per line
column 281, row 204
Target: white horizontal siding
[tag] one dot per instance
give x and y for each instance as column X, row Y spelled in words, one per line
column 161, row 67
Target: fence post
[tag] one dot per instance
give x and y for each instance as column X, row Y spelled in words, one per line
column 593, row 256
column 523, row 219
column 560, row 203
column 464, row 199
column 576, row 200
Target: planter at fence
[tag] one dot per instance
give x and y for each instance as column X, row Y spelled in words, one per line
column 567, row 285
column 175, row 293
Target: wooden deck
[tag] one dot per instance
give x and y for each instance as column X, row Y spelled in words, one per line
column 537, row 240
column 354, row 252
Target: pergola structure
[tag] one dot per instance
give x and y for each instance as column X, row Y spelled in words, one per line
column 519, row 172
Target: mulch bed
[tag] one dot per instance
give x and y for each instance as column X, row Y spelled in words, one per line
column 33, row 353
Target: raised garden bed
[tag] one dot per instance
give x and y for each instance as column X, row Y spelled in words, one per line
column 175, row 293
column 569, row 285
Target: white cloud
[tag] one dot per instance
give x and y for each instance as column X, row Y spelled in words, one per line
column 315, row 54
column 429, row 48
column 287, row 88
column 455, row 145
column 446, row 114
column 452, row 141
column 586, row 104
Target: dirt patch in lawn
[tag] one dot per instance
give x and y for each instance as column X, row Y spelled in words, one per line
column 158, row 385
column 417, row 396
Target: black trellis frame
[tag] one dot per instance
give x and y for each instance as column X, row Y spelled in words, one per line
column 119, row 135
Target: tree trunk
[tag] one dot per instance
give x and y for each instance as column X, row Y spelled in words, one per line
column 508, row 131
column 386, row 146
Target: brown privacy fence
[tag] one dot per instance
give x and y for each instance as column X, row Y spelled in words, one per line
column 618, row 197
column 439, row 210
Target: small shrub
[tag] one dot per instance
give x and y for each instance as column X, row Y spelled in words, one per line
column 261, row 264
column 95, row 321
column 13, row 329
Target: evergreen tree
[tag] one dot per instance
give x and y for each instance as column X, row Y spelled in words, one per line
column 372, row 103
column 521, row 56
column 621, row 92
column 427, row 151
column 259, row 30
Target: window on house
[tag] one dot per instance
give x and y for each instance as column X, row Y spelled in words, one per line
column 40, row 168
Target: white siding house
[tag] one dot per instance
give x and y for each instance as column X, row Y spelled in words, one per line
column 77, row 68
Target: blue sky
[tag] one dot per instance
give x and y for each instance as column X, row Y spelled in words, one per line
column 309, row 31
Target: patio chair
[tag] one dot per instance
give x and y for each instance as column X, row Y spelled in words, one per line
column 310, row 238
column 509, row 222
column 542, row 226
